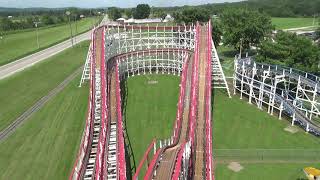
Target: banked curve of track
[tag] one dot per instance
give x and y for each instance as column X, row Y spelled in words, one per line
column 119, row 53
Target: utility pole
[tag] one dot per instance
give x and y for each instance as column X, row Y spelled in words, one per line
column 36, row 25
column 92, row 23
column 314, row 19
column 1, row 37
column 76, row 33
column 71, row 36
column 241, row 48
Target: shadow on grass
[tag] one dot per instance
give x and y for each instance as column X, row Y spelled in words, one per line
column 226, row 53
column 130, row 159
column 230, row 53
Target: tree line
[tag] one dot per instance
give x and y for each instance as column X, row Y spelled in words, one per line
column 142, row 11
column 25, row 19
column 274, row 8
column 251, row 30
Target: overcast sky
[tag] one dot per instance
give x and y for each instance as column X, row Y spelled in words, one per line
column 101, row 3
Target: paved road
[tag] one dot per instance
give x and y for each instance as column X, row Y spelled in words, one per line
column 25, row 62
column 32, row 59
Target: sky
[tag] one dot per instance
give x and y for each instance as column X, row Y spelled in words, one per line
column 102, row 3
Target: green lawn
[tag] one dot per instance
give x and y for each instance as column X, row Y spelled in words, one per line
column 150, row 110
column 17, row 45
column 244, row 132
column 237, row 125
column 264, row 172
column 22, row 90
column 45, row 146
column 234, row 118
column 287, row 23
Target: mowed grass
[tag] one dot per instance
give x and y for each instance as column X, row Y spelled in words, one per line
column 239, row 125
column 22, row 90
column 264, row 171
column 17, row 45
column 150, row 110
column 287, row 23
column 45, row 146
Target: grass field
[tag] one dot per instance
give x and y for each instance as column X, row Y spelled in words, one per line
column 237, row 125
column 264, row 172
column 17, row 45
column 22, row 90
column 45, row 146
column 241, row 126
column 287, row 23
column 150, row 110
column 257, row 129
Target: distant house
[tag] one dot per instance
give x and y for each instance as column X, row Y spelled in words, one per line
column 215, row 16
column 129, row 21
column 146, row 21
column 82, row 16
column 121, row 20
column 9, row 17
column 168, row 18
column 309, row 34
column 138, row 21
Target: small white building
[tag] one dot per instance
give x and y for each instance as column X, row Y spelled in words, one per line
column 9, row 17
column 138, row 21
column 168, row 18
column 121, row 20
column 146, row 21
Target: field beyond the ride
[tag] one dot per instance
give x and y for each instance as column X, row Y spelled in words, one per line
column 287, row 23
column 20, row 91
column 237, row 126
column 46, row 144
column 17, row 45
column 283, row 171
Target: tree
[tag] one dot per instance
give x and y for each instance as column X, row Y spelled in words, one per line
column 290, row 50
column 142, row 11
column 61, row 19
column 244, row 28
column 192, row 15
column 6, row 24
column 318, row 31
column 216, row 32
column 128, row 13
column 114, row 13
column 159, row 13
column 47, row 20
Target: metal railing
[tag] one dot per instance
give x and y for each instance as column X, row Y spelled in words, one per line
column 82, row 155
column 100, row 171
column 208, row 140
column 120, row 140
